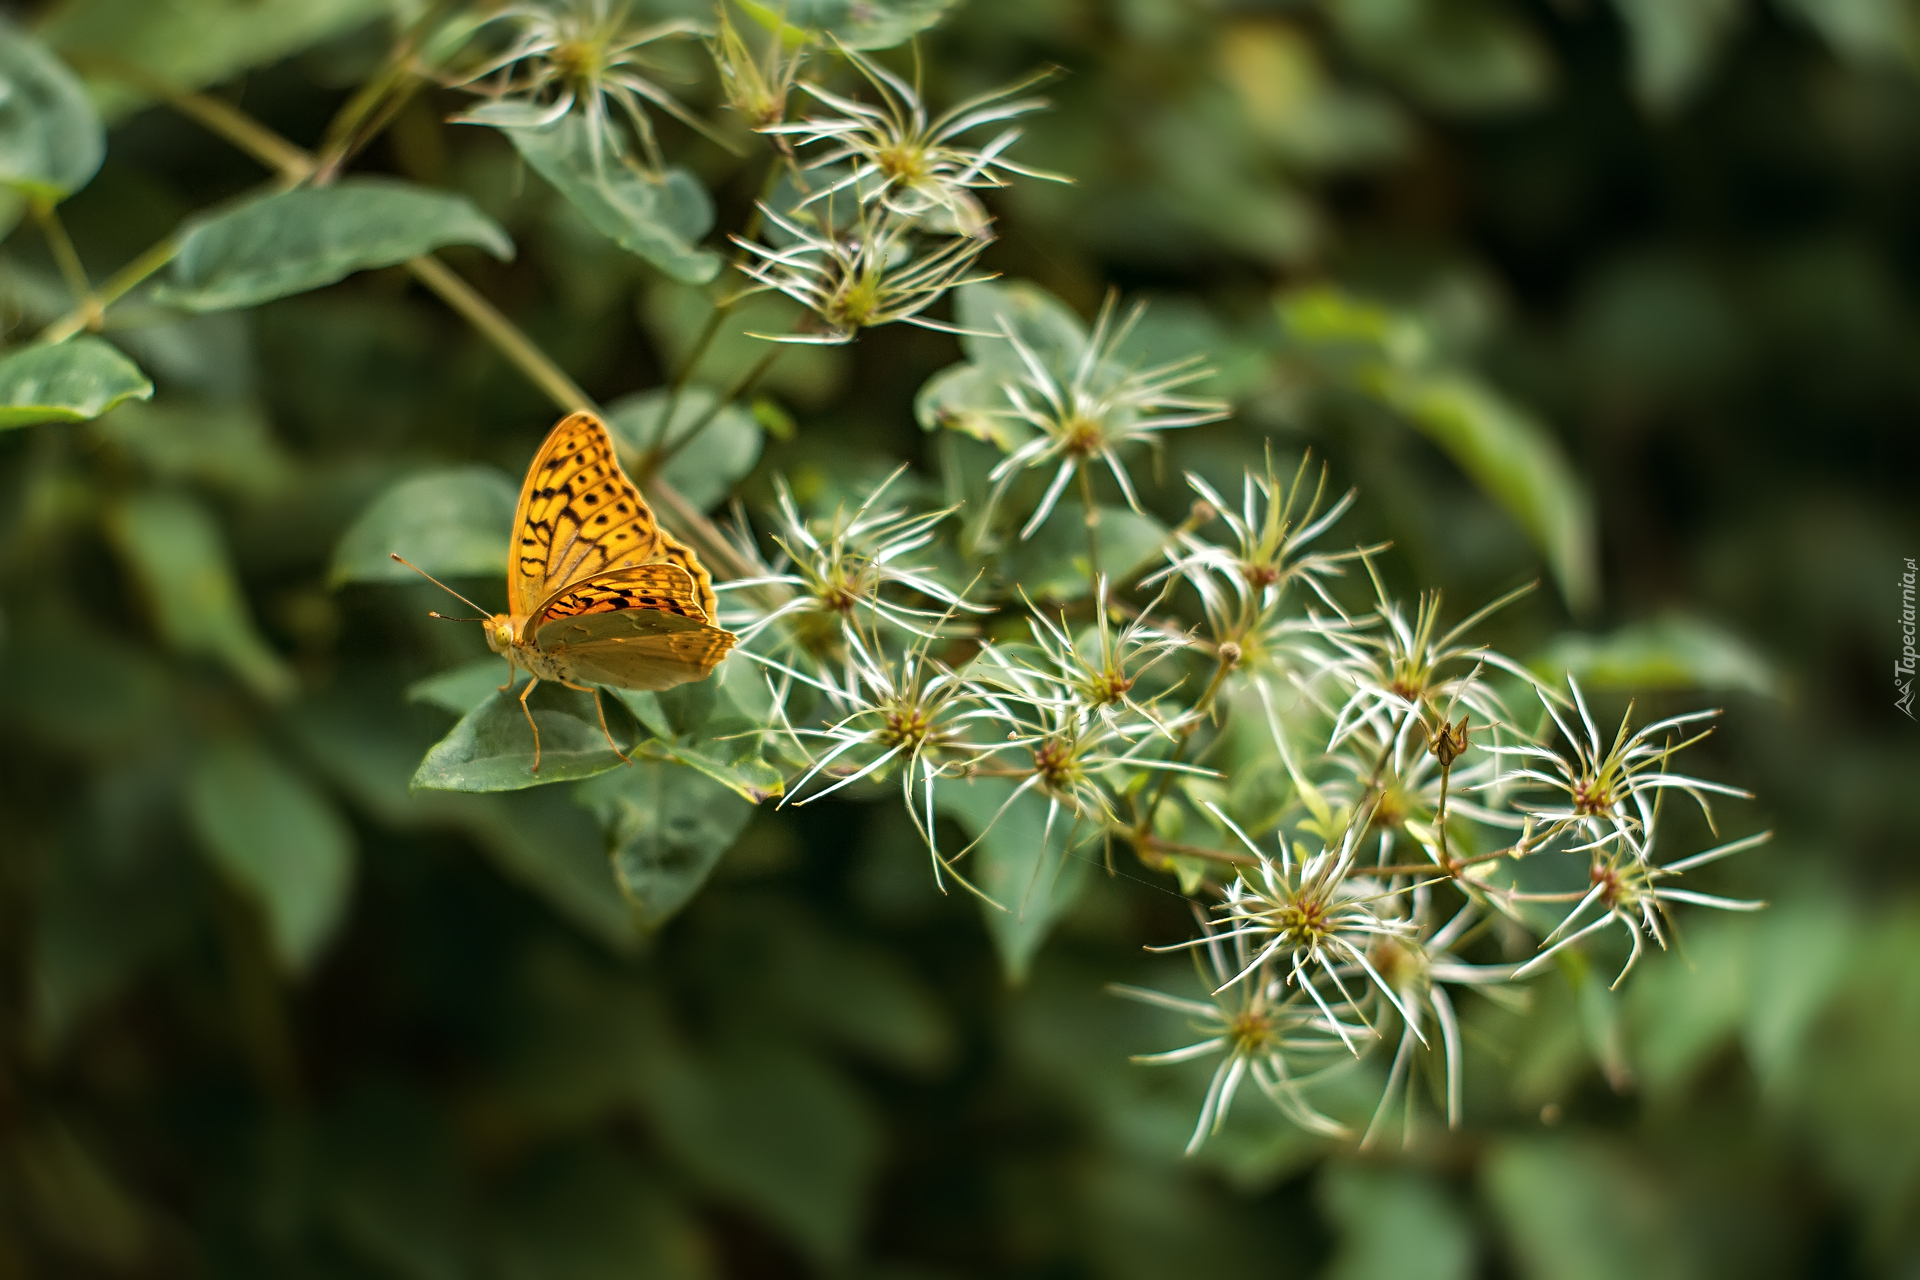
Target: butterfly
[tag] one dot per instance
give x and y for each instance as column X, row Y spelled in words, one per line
column 598, row 593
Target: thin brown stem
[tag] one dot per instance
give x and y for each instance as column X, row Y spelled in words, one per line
column 663, row 451
column 117, row 286
column 71, row 270
column 502, row 333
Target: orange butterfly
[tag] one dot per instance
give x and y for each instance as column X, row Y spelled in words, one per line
column 598, row 593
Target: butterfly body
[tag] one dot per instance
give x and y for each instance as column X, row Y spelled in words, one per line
column 598, row 592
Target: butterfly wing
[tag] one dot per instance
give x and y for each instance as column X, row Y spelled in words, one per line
column 578, row 516
column 661, row 587
column 636, row 648
column 640, row 627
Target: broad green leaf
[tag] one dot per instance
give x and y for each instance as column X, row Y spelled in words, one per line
column 461, row 689
column 704, row 468
column 660, row 219
column 452, row 523
column 667, row 826
column 175, row 550
column 226, row 444
column 777, row 1131
column 1675, row 43
column 369, row 745
column 491, row 749
column 1047, row 326
column 117, row 892
column 1514, row 460
column 279, row 840
column 1870, row 33
column 856, row 994
column 967, row 398
column 288, row 242
column 66, row 382
column 858, row 24
column 1032, row 868
column 1675, row 652
column 1394, row 1222
column 51, row 141
column 190, row 44
column 587, row 1212
column 1053, row 564
column 1574, row 1210
column 1468, row 57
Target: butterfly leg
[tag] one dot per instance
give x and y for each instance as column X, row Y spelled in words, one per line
column 528, row 712
column 513, row 669
column 601, row 707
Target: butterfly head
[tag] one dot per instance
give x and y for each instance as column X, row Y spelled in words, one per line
column 500, row 633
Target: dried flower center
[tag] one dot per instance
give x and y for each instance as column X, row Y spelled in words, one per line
column 1591, row 797
column 1250, row 1031
column 1053, row 760
column 1303, row 921
column 905, row 725
column 1081, row 436
column 902, row 163
column 1108, row 686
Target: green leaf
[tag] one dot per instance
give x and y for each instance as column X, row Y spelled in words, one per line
column 1469, row 57
column 288, row 242
column 1675, row 43
column 1512, row 457
column 1674, row 652
column 1020, row 861
column 778, row 1131
column 1047, row 326
column 174, row 549
column 226, row 444
column 667, row 826
column 967, row 398
column 491, row 749
column 51, row 141
column 1579, row 1211
column 1394, row 1222
column 585, row 1212
column 858, row 24
column 66, row 382
column 279, row 840
column 659, row 219
column 369, row 746
column 1053, row 563
column 705, row 469
column 189, row 44
column 461, row 689
column 452, row 523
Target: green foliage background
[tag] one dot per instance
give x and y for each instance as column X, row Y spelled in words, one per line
column 262, row 1012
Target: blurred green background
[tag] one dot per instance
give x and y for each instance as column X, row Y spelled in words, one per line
column 1684, row 234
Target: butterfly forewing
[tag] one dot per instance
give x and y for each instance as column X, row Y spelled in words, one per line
column 665, row 588
column 579, row 516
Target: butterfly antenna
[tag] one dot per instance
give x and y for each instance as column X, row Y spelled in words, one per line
column 444, row 587
column 444, row 618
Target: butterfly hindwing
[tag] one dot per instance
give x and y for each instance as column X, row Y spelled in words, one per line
column 636, row 648
column 578, row 516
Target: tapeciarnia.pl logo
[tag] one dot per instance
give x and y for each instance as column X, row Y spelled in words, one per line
column 1903, row 666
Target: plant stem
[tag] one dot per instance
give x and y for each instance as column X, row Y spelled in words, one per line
column 1144, row 827
column 662, row 452
column 71, row 269
column 1092, row 514
column 502, row 332
column 117, row 286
